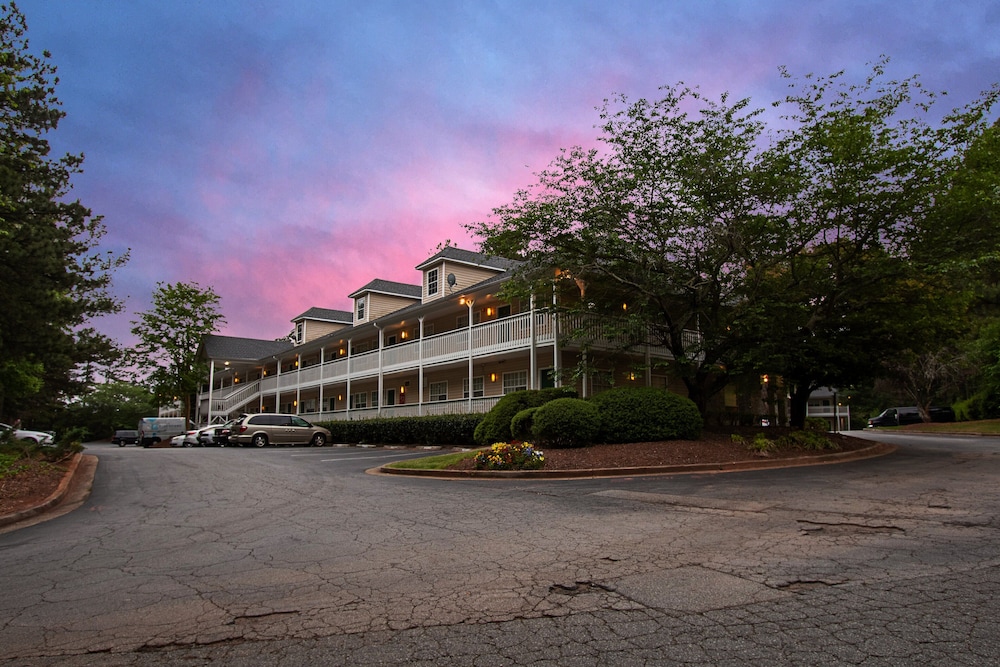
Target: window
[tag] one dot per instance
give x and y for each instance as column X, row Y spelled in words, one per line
column 516, row 381
column 428, row 329
column 477, row 387
column 391, row 340
column 437, row 391
column 375, row 399
column 432, row 282
column 361, row 307
column 299, row 331
column 359, row 400
column 503, row 311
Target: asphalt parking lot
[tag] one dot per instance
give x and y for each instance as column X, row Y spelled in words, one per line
column 296, row 556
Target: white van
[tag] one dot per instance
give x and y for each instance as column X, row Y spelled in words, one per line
column 159, row 429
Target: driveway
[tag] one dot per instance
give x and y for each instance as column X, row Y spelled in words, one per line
column 296, row 556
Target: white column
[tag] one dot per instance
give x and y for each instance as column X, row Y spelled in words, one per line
column 420, row 369
column 469, row 303
column 348, row 394
column 211, row 383
column 533, row 361
column 381, row 379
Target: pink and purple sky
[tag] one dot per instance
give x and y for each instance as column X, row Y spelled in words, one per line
column 287, row 152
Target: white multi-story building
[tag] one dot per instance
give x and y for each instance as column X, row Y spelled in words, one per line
column 450, row 344
column 447, row 345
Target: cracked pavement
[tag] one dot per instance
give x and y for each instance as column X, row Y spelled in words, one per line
column 295, row 556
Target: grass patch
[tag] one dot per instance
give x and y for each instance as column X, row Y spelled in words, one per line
column 439, row 462
column 985, row 426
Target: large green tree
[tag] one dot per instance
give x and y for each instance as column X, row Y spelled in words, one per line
column 169, row 334
column 53, row 279
column 788, row 251
column 663, row 232
column 870, row 167
column 108, row 407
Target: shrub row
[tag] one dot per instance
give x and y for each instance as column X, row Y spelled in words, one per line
column 552, row 417
column 496, row 425
column 556, row 418
column 456, row 430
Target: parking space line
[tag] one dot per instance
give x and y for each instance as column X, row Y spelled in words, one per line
column 357, row 458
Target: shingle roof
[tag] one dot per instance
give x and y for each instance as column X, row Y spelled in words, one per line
column 327, row 315
column 389, row 287
column 469, row 257
column 242, row 349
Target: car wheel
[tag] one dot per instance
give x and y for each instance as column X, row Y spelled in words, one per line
column 121, row 444
column 318, row 440
column 259, row 440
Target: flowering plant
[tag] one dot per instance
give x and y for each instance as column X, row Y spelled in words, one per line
column 510, row 456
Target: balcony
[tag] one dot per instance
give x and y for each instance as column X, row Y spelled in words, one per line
column 510, row 334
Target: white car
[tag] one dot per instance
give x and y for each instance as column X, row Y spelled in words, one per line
column 205, row 436
column 178, row 440
column 39, row 437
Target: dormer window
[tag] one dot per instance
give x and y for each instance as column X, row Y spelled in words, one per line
column 432, row 282
column 361, row 308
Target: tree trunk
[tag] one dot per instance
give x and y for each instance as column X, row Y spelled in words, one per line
column 799, row 405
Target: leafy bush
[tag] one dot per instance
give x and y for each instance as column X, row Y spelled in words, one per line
column 761, row 444
column 817, row 424
column 504, row 456
column 646, row 414
column 566, row 422
column 522, row 424
column 982, row 405
column 454, row 430
column 495, row 426
column 808, row 440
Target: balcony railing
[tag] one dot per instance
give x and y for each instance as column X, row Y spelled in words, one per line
column 495, row 337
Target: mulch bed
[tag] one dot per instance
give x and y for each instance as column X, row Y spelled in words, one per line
column 713, row 447
column 30, row 487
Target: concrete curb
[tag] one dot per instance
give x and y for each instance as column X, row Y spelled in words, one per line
column 876, row 450
column 57, row 496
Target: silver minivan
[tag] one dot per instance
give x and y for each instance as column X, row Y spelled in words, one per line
column 265, row 429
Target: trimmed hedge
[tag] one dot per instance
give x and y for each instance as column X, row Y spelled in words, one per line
column 646, row 414
column 566, row 422
column 522, row 424
column 454, row 430
column 495, row 426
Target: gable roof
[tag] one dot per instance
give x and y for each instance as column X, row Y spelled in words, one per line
column 453, row 254
column 326, row 315
column 388, row 287
column 241, row 349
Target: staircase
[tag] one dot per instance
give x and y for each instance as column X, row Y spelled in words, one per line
column 223, row 405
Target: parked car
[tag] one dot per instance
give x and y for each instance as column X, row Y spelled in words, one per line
column 178, row 440
column 277, row 429
column 206, row 436
column 216, row 435
column 909, row 415
column 38, row 437
column 191, row 438
column 125, row 437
